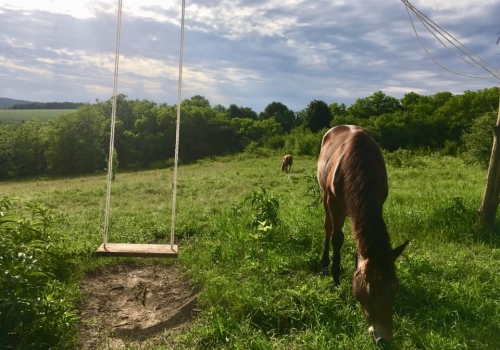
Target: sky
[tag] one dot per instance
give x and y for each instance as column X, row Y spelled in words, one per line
column 244, row 52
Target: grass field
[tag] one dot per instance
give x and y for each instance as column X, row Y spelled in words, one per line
column 14, row 116
column 260, row 288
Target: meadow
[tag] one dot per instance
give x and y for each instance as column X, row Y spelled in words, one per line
column 15, row 116
column 250, row 242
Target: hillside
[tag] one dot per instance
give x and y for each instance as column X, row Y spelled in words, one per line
column 8, row 102
column 248, row 274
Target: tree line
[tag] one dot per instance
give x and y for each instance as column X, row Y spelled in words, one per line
column 77, row 142
column 46, row 105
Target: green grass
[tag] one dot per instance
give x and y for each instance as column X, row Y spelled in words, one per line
column 260, row 286
column 14, row 116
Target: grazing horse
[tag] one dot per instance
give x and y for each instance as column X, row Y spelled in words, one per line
column 286, row 165
column 353, row 180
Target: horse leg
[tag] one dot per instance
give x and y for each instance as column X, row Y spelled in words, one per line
column 338, row 218
column 328, row 225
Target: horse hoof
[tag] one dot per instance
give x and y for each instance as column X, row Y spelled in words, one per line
column 334, row 287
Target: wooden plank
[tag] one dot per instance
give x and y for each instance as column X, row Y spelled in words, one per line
column 137, row 250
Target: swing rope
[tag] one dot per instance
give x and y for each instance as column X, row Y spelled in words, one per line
column 177, row 129
column 112, row 133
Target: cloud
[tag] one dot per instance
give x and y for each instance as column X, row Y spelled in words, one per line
column 247, row 52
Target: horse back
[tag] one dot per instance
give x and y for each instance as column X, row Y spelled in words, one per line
column 352, row 169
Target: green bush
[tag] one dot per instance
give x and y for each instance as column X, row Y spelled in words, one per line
column 34, row 310
column 479, row 140
column 403, row 158
column 450, row 148
column 304, row 142
column 265, row 209
column 274, row 142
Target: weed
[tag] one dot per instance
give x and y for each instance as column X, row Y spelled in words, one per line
column 265, row 209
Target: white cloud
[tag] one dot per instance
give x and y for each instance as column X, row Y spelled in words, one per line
column 237, row 51
column 16, row 66
column 451, row 5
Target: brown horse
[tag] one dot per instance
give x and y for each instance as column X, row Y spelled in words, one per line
column 286, row 165
column 353, row 179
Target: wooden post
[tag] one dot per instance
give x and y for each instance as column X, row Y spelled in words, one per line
column 491, row 199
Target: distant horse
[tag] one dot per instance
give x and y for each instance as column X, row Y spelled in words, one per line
column 353, row 179
column 286, row 165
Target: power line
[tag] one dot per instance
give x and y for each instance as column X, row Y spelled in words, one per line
column 438, row 31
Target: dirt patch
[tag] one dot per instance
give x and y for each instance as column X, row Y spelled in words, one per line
column 128, row 304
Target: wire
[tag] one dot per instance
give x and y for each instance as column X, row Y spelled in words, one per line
column 423, row 18
column 427, row 22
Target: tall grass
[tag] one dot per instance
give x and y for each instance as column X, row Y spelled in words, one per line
column 251, row 239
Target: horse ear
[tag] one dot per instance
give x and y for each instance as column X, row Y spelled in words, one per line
column 398, row 250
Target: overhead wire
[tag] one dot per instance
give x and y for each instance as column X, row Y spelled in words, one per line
column 426, row 21
column 437, row 30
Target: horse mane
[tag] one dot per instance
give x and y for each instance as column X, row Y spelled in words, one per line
column 364, row 184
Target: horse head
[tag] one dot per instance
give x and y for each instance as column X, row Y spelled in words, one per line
column 375, row 286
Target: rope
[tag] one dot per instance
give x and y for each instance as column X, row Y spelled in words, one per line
column 177, row 129
column 427, row 22
column 113, row 119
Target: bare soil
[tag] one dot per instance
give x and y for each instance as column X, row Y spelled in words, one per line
column 134, row 305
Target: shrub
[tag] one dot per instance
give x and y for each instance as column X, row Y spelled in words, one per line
column 303, row 142
column 265, row 209
column 35, row 312
column 450, row 148
column 479, row 140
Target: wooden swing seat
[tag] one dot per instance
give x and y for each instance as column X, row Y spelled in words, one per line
column 137, row 250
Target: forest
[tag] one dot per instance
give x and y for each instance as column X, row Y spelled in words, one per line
column 77, row 142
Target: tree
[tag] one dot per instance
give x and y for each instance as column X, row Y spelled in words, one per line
column 26, row 149
column 456, row 114
column 5, row 132
column 318, row 116
column 221, row 109
column 418, row 105
column 196, row 101
column 76, row 142
column 374, row 106
column 440, row 98
column 281, row 115
column 124, row 110
column 338, row 110
column 241, row 112
column 478, row 140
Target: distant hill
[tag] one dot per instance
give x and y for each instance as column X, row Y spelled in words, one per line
column 9, row 102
